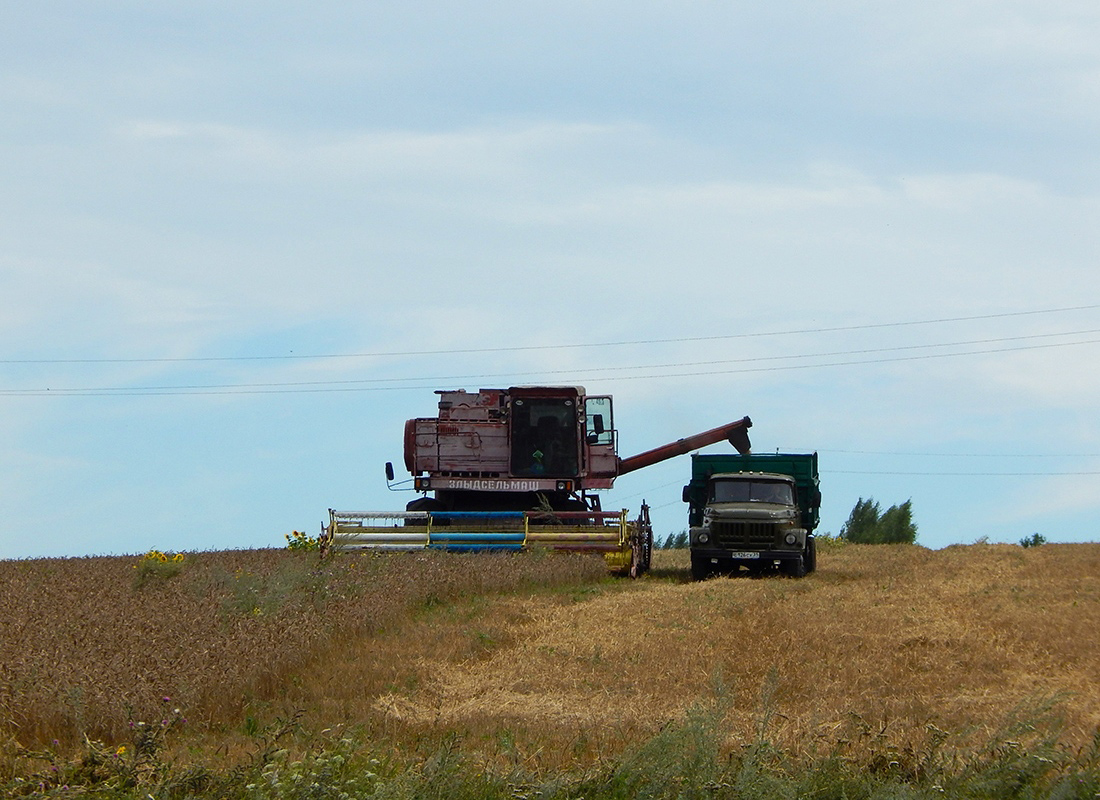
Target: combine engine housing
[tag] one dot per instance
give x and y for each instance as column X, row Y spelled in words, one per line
column 497, row 449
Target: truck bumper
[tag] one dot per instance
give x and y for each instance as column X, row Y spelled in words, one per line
column 745, row 557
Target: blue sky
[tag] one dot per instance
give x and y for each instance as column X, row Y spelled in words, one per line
column 241, row 243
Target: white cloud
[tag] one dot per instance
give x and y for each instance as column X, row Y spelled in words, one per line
column 969, row 193
column 476, row 153
column 521, row 176
column 1070, row 495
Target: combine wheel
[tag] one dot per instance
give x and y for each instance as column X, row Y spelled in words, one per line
column 424, row 504
column 641, row 544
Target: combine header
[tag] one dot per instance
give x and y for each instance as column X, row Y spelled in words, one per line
column 515, row 469
column 625, row 544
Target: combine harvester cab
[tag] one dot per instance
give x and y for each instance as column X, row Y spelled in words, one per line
column 516, row 469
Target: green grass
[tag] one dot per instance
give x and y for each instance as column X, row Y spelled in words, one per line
column 691, row 759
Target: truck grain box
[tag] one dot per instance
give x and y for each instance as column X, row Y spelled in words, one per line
column 756, row 511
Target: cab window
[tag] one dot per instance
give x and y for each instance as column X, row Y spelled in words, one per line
column 598, row 424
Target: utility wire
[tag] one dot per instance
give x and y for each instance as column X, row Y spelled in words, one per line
column 372, row 384
column 964, row 474
column 653, row 490
column 961, row 455
column 654, row 507
column 532, row 348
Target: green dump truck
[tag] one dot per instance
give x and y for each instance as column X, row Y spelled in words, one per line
column 753, row 511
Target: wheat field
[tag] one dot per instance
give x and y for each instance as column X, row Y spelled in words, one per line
column 545, row 659
column 896, row 641
column 90, row 646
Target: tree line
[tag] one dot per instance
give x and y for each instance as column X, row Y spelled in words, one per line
column 867, row 524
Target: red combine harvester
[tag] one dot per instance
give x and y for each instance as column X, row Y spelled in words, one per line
column 515, row 469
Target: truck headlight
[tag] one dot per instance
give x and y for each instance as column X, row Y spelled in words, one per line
column 790, row 538
column 703, row 538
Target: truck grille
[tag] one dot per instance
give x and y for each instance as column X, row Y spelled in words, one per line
column 745, row 535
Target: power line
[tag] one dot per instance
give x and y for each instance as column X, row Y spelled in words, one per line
column 361, row 385
column 650, row 490
column 964, row 474
column 961, row 455
column 895, row 473
column 532, row 348
column 654, row 489
column 659, row 506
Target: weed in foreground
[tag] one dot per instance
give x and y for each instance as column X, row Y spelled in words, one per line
column 689, row 759
column 296, row 540
column 157, row 566
column 110, row 771
column 684, row 756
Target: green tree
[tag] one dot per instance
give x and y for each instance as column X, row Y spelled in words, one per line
column 676, row 541
column 896, row 524
column 862, row 524
column 868, row 524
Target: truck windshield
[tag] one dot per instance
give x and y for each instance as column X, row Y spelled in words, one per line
column 751, row 492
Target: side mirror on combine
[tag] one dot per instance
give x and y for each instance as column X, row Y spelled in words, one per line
column 389, row 471
column 686, row 494
column 596, row 430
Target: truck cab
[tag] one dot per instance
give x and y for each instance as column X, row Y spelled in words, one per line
column 757, row 519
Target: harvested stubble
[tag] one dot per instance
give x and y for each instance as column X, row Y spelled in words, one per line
column 91, row 645
column 884, row 648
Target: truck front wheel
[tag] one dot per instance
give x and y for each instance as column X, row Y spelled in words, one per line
column 795, row 567
column 811, row 554
column 700, row 568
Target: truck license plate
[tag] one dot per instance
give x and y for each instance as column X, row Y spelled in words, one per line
column 736, row 554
